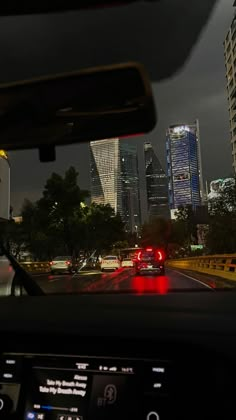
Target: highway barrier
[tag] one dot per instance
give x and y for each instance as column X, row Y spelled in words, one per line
column 36, row 267
column 217, row 265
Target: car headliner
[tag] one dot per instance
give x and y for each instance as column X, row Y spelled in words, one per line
column 158, row 33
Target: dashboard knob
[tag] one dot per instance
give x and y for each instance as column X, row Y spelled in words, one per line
column 6, row 405
column 153, row 416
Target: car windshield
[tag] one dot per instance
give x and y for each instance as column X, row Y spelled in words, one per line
column 172, row 188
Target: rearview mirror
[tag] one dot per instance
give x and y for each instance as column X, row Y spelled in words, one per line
column 104, row 102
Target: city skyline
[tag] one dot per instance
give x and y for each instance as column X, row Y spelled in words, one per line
column 199, row 89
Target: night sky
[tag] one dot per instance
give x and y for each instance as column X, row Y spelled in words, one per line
column 31, row 46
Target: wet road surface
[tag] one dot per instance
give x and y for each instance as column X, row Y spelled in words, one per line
column 121, row 281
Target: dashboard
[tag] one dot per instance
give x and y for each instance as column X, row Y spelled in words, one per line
column 118, row 357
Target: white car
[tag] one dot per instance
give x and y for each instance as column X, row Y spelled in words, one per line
column 61, row 265
column 127, row 262
column 110, row 262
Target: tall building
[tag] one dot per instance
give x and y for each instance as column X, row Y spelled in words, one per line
column 156, row 184
column 4, row 186
column 115, row 179
column 130, row 191
column 185, row 183
column 230, row 66
column 105, row 173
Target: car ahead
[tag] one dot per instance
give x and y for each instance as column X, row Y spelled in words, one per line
column 62, row 264
column 110, row 262
column 150, row 260
column 127, row 262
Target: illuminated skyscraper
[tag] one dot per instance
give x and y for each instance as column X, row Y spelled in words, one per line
column 105, row 173
column 156, row 184
column 185, row 184
column 115, row 179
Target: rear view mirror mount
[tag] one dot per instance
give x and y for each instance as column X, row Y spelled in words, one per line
column 93, row 104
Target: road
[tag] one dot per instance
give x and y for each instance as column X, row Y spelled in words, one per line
column 123, row 280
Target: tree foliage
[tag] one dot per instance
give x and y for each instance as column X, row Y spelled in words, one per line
column 60, row 223
column 221, row 237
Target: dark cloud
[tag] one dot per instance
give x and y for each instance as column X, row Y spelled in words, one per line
column 47, row 44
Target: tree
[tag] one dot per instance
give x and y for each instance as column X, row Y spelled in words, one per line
column 104, row 227
column 36, row 238
column 221, row 237
column 60, row 223
column 60, row 209
column 12, row 235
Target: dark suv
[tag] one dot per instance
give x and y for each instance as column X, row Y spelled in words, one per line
column 150, row 260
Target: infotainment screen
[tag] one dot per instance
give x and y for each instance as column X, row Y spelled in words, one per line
column 55, row 387
column 78, row 390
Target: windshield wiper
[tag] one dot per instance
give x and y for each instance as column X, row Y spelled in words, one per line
column 21, row 278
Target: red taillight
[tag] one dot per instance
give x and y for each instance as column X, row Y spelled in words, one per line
column 160, row 256
column 51, row 263
column 68, row 262
column 139, row 256
column 149, row 249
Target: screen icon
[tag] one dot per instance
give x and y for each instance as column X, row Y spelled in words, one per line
column 30, row 416
column 113, row 369
column 40, row 416
column 110, row 394
column 103, row 368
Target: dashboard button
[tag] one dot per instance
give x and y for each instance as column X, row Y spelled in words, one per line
column 153, row 416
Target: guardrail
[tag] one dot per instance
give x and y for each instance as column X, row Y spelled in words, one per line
column 36, row 267
column 218, row 265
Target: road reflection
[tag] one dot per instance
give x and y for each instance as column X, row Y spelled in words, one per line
column 150, row 284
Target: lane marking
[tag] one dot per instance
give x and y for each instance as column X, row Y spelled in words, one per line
column 192, row 278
